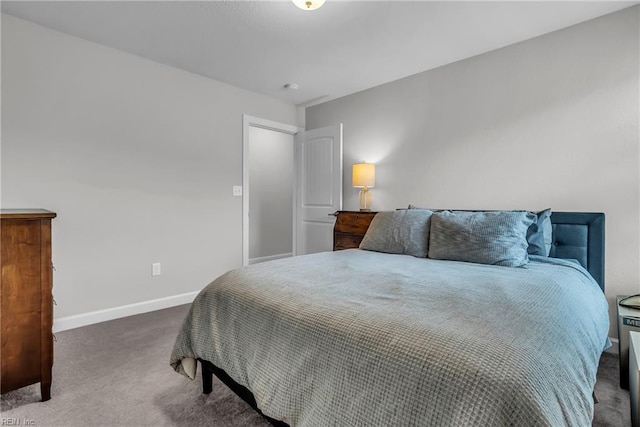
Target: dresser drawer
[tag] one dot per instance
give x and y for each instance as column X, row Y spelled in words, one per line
column 350, row 229
column 346, row 241
column 353, row 222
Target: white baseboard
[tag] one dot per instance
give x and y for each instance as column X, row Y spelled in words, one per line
column 84, row 319
column 269, row 258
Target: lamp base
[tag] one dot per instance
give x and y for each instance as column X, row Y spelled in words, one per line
column 365, row 199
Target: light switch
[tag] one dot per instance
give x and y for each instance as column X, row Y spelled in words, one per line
column 237, row 190
column 155, row 269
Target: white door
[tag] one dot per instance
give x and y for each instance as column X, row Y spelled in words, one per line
column 318, row 187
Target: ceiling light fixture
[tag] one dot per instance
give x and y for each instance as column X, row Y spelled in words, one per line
column 308, row 4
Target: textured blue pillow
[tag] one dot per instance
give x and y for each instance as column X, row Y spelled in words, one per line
column 399, row 232
column 492, row 237
column 539, row 234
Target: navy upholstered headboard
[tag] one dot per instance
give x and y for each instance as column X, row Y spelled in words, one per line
column 580, row 236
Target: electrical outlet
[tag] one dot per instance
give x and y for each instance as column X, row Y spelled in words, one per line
column 237, row 190
column 155, row 269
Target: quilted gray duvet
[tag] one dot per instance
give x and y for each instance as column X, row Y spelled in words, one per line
column 359, row 338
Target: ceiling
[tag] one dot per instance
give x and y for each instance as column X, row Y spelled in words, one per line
column 341, row 48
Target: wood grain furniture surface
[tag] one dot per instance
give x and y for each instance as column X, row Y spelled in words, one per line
column 350, row 228
column 26, row 299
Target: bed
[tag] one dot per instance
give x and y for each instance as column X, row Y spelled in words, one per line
column 361, row 337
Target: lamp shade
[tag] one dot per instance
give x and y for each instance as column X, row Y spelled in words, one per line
column 364, row 175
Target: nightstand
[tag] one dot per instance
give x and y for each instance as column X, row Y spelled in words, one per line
column 628, row 320
column 350, row 228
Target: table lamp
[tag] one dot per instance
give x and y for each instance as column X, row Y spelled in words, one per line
column 364, row 177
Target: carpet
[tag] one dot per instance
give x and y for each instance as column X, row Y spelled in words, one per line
column 117, row 373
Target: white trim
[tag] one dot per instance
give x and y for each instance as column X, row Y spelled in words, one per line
column 269, row 258
column 84, row 319
column 251, row 121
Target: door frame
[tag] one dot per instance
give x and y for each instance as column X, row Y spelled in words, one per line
column 247, row 122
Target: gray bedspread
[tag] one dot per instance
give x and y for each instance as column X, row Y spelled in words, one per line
column 359, row 338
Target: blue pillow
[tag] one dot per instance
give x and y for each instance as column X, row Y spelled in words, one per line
column 399, row 232
column 492, row 237
column 539, row 234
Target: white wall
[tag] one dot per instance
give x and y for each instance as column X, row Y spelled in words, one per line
column 548, row 122
column 271, row 193
column 138, row 159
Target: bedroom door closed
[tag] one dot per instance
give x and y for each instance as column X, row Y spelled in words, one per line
column 318, row 187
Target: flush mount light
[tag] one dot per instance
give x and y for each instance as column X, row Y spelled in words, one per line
column 308, row 4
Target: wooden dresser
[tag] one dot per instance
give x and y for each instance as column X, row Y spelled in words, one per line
column 26, row 283
column 350, row 228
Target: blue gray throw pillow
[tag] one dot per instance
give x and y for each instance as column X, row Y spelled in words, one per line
column 539, row 234
column 492, row 237
column 399, row 232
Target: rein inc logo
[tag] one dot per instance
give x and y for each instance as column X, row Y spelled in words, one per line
column 17, row 422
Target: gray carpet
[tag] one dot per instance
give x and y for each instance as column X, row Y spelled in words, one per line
column 117, row 374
